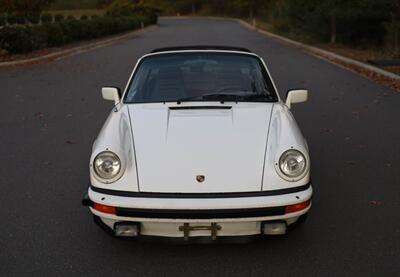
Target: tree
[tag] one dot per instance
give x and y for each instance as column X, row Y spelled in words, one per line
column 250, row 5
column 24, row 7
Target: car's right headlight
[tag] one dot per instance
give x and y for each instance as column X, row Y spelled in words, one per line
column 107, row 166
column 292, row 164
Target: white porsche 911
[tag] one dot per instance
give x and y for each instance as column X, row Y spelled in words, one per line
column 200, row 144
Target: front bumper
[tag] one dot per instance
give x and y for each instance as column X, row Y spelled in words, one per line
column 237, row 214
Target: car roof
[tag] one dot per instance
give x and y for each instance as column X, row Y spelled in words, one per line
column 200, row 48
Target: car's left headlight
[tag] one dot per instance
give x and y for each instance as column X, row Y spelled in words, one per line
column 107, row 166
column 292, row 164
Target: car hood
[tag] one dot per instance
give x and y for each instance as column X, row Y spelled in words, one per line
column 175, row 145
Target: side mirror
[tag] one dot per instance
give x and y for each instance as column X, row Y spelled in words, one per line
column 296, row 96
column 111, row 93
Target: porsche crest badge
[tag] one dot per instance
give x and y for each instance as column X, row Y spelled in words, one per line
column 200, row 178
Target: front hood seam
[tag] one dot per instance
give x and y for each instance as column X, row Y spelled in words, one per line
column 266, row 146
column 134, row 149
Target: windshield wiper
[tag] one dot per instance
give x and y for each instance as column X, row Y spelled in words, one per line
column 189, row 98
column 260, row 97
column 222, row 96
column 243, row 96
column 211, row 96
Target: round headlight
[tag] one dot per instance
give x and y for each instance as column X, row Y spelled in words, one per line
column 292, row 163
column 107, row 165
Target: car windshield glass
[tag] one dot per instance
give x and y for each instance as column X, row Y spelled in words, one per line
column 200, row 76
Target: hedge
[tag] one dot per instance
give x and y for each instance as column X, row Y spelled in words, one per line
column 33, row 18
column 16, row 39
column 2, row 19
column 46, row 18
column 20, row 19
column 22, row 39
column 11, row 19
column 58, row 17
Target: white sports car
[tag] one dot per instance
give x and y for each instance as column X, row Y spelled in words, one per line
column 199, row 144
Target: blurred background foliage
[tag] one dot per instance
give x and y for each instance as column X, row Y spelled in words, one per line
column 362, row 23
column 358, row 23
column 28, row 25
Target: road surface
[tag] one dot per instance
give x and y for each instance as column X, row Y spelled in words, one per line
column 52, row 112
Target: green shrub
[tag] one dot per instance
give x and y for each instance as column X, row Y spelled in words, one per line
column 14, row 39
column 392, row 38
column 20, row 39
column 93, row 28
column 2, row 19
column 46, row 18
column 38, row 36
column 11, row 19
column 33, row 18
column 83, row 30
column 55, row 34
column 20, row 19
column 148, row 15
column 58, row 17
column 106, row 25
column 84, row 17
column 69, row 29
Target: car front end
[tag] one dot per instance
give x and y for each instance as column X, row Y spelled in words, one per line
column 225, row 164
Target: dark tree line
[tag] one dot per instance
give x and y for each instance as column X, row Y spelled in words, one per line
column 354, row 22
column 23, row 6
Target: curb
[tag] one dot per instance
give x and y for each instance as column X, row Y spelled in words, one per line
column 322, row 53
column 78, row 49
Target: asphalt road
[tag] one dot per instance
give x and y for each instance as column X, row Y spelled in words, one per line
column 52, row 112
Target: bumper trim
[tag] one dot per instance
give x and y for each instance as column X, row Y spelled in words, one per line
column 200, row 195
column 200, row 214
column 86, row 200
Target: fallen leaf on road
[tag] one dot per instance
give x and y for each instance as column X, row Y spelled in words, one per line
column 351, row 162
column 375, row 202
column 39, row 115
column 356, row 114
column 326, row 130
column 70, row 142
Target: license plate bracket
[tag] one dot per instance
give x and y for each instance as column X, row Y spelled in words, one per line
column 213, row 228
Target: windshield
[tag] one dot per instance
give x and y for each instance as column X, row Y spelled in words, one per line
column 200, row 76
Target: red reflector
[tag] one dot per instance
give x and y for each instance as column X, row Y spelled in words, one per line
column 104, row 208
column 297, row 207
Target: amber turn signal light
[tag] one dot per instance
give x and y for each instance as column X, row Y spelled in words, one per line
column 104, row 208
column 297, row 207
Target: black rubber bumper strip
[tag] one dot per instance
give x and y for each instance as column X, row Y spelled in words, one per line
column 86, row 200
column 200, row 195
column 200, row 214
